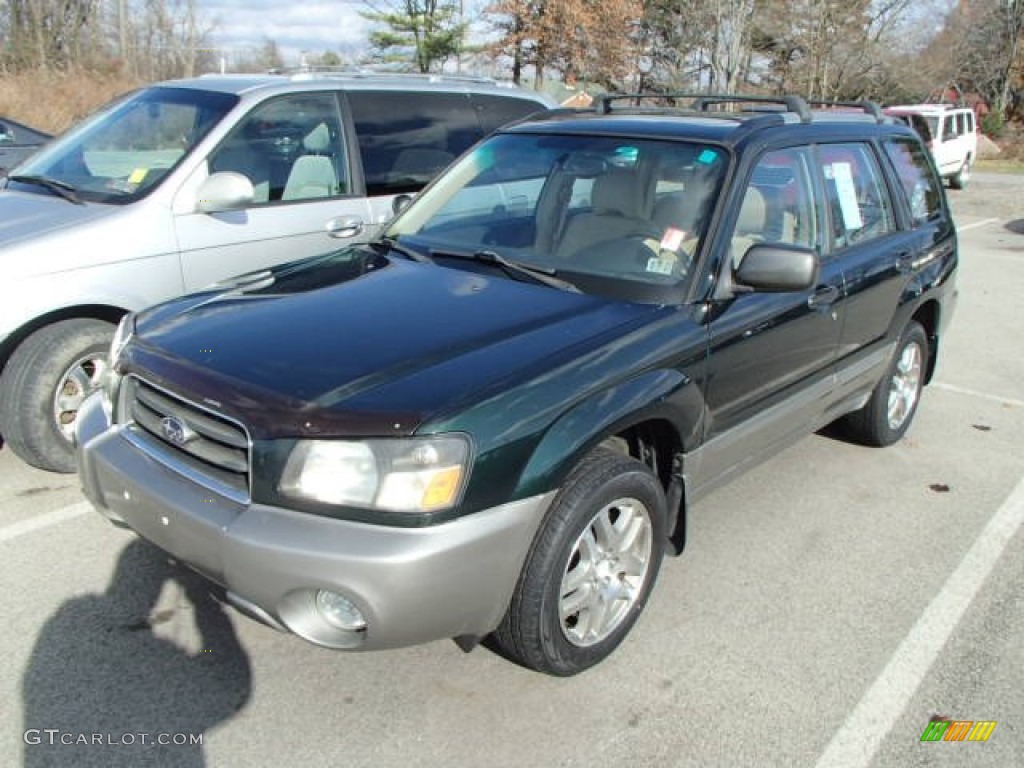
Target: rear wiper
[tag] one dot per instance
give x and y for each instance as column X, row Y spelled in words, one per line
column 515, row 268
column 57, row 187
column 392, row 244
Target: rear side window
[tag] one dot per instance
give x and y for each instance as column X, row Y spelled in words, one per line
column 918, row 179
column 859, row 204
column 496, row 111
column 405, row 139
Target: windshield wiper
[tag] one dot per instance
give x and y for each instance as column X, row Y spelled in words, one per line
column 392, row 244
column 59, row 188
column 515, row 268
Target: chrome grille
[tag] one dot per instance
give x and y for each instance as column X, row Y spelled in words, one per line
column 201, row 444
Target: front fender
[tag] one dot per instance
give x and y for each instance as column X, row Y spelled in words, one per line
column 661, row 394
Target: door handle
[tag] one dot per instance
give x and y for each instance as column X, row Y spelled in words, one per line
column 343, row 227
column 824, row 297
column 904, row 262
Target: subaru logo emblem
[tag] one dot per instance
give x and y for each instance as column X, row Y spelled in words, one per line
column 175, row 430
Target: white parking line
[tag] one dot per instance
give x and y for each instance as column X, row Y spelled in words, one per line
column 975, row 393
column 856, row 742
column 15, row 530
column 975, row 225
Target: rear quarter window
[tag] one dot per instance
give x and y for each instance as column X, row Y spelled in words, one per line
column 920, row 184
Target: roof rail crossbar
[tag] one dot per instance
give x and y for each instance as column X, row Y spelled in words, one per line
column 701, row 101
column 606, row 99
column 869, row 107
column 792, row 103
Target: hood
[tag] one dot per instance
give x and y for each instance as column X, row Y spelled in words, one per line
column 31, row 215
column 367, row 346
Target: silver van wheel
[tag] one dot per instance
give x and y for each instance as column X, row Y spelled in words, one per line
column 43, row 385
column 83, row 378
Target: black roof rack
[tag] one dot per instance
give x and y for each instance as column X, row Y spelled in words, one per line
column 792, row 103
column 701, row 101
column 869, row 107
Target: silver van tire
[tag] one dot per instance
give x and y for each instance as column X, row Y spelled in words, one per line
column 44, row 383
column 590, row 570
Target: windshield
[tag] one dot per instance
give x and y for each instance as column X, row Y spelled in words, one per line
column 120, row 153
column 619, row 217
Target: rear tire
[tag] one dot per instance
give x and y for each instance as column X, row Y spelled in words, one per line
column 591, row 568
column 888, row 414
column 43, row 385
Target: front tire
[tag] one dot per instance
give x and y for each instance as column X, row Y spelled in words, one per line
column 888, row 414
column 591, row 568
column 43, row 385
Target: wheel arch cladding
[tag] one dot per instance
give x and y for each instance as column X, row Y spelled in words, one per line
column 659, row 411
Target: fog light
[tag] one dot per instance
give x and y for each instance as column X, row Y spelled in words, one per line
column 339, row 611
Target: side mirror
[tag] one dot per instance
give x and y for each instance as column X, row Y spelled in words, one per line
column 400, row 203
column 224, row 191
column 777, row 268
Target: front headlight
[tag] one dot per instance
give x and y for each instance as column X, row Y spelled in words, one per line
column 417, row 474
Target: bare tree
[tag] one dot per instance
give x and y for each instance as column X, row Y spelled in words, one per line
column 579, row 39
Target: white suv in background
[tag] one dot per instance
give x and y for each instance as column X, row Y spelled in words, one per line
column 954, row 137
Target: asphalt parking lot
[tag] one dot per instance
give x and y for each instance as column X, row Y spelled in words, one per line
column 828, row 605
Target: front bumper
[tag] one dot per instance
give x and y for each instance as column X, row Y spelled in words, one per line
column 412, row 585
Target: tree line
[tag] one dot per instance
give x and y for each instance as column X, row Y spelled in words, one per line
column 890, row 50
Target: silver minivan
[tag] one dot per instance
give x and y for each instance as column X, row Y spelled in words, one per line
column 180, row 185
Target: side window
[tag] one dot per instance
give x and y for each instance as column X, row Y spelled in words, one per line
column 778, row 205
column 496, row 111
column 949, row 128
column 290, row 148
column 407, row 138
column 918, row 179
column 859, row 204
column 970, row 122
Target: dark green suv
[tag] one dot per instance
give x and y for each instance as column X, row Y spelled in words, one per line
column 491, row 421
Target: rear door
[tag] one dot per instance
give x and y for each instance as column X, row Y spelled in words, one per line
column 876, row 254
column 293, row 150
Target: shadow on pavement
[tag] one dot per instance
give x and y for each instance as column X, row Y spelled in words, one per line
column 99, row 678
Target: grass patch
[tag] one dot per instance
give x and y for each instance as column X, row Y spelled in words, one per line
column 999, row 165
column 54, row 101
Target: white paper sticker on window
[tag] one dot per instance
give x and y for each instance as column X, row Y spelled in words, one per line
column 842, row 173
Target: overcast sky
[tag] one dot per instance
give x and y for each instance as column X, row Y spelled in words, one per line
column 314, row 26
